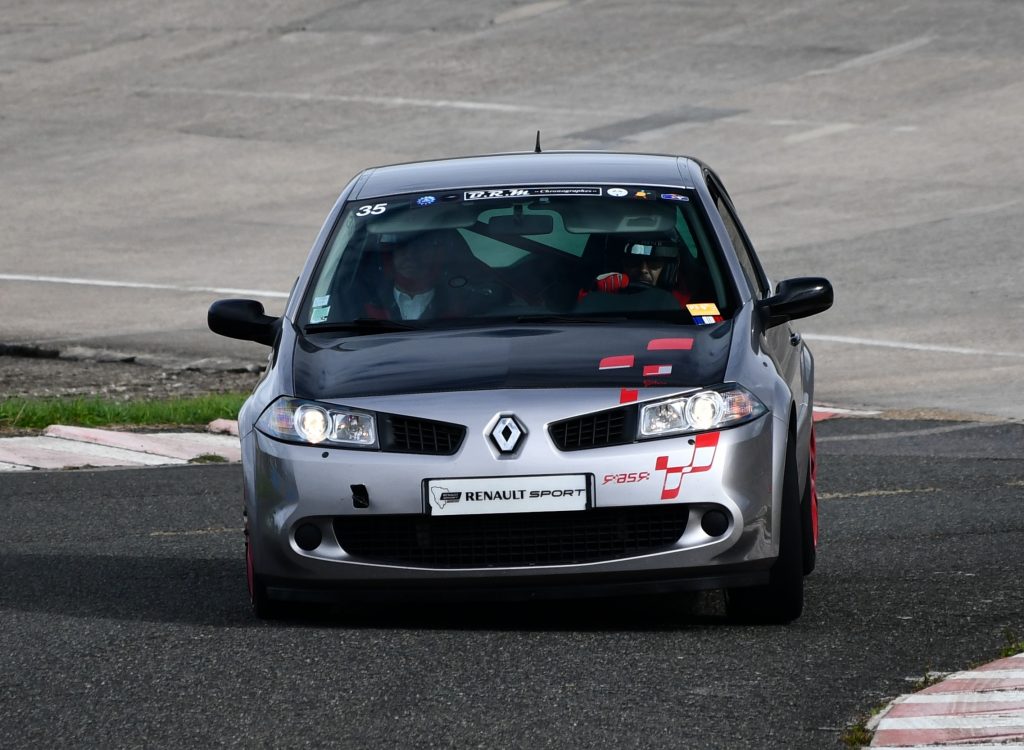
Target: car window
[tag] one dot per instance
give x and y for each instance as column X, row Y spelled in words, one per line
column 472, row 255
column 744, row 253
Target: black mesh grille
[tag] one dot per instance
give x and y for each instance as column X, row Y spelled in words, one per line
column 408, row 435
column 514, row 539
column 594, row 430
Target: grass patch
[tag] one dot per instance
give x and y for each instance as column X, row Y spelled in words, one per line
column 1014, row 644
column 31, row 413
column 928, row 679
column 208, row 458
column 858, row 735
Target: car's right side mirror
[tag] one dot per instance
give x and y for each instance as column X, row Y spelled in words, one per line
column 796, row 298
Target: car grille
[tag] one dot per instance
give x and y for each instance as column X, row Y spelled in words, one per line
column 614, row 427
column 512, row 540
column 409, row 435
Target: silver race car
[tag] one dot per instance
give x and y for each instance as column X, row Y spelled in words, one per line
column 531, row 375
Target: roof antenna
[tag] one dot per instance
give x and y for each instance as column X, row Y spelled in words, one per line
column 536, row 149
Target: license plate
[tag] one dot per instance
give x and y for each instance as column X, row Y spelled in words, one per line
column 537, row 494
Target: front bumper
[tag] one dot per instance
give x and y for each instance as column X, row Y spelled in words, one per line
column 289, row 487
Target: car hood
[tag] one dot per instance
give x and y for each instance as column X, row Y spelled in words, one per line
column 572, row 356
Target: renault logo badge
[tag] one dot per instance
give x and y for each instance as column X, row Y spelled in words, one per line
column 507, row 434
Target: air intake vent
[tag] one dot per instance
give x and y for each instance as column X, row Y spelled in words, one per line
column 410, row 435
column 513, row 539
column 615, row 427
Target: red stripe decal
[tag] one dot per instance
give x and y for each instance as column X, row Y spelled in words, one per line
column 614, row 363
column 676, row 344
column 628, row 395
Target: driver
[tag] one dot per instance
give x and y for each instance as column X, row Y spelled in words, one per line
column 645, row 264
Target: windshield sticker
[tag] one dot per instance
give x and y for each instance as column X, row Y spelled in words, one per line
column 617, row 192
column 644, row 195
column 476, row 195
column 426, row 200
column 704, row 313
column 375, row 210
column 319, row 314
column 674, row 197
column 322, row 301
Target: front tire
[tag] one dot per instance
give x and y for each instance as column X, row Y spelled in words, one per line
column 263, row 607
column 809, row 510
column 781, row 600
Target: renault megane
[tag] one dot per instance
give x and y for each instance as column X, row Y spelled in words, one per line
column 532, row 375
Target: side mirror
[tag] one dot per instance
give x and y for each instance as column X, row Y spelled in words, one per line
column 243, row 319
column 796, row 298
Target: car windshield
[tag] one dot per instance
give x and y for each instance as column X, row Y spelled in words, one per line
column 561, row 254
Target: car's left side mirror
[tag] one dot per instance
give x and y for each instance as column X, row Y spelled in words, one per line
column 243, row 319
column 796, row 298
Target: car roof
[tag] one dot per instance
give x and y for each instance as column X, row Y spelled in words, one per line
column 528, row 168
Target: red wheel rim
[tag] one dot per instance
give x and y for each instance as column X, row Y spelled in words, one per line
column 814, row 488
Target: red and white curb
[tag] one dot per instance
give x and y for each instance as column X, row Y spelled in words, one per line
column 979, row 708
column 821, row 413
column 63, row 447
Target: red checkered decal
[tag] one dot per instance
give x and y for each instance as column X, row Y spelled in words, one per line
column 701, row 457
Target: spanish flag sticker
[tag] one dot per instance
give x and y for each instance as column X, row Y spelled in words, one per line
column 704, row 313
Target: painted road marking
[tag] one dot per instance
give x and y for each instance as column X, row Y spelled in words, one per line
column 956, row 722
column 972, row 746
column 529, row 11
column 873, row 493
column 822, row 132
column 386, row 101
column 908, row 433
column 139, row 285
column 198, row 532
column 863, row 61
column 987, row 674
column 1000, row 696
column 909, row 346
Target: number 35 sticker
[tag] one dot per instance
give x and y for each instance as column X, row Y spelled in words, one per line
column 374, row 210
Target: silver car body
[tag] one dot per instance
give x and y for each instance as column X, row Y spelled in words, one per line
column 738, row 471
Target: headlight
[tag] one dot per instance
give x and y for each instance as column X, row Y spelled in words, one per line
column 704, row 410
column 309, row 422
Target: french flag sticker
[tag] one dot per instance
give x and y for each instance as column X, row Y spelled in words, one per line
column 650, row 370
column 704, row 313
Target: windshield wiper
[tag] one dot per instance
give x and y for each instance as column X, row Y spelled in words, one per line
column 362, row 325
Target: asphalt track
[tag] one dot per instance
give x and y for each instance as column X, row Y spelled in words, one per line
column 158, row 156
column 125, row 622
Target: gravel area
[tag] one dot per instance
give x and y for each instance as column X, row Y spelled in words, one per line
column 51, row 377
